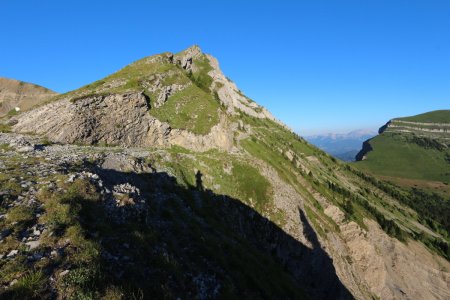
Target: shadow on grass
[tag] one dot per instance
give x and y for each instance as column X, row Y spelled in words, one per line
column 174, row 241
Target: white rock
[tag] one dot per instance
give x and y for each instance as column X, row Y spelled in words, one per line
column 12, row 253
column 33, row 244
column 25, row 149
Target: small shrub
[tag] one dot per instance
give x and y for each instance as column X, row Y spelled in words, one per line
column 113, row 293
column 58, row 215
column 5, row 128
column 29, row 286
column 23, row 215
column 12, row 112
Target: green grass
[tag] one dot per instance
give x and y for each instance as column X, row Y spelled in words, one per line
column 5, row 128
column 29, row 286
column 271, row 142
column 437, row 116
column 200, row 77
column 13, row 112
column 21, row 216
column 194, row 109
column 241, row 180
column 191, row 109
column 394, row 155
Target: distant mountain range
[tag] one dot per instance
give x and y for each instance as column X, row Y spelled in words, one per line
column 344, row 146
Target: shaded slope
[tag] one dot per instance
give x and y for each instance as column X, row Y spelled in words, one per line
column 160, row 239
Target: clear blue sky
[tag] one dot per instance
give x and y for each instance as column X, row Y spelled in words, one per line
column 317, row 65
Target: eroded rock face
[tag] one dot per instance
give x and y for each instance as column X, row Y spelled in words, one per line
column 231, row 96
column 166, row 92
column 119, row 119
column 383, row 265
column 185, row 58
column 114, row 119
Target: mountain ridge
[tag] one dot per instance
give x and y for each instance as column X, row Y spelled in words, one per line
column 187, row 73
column 344, row 146
column 15, row 94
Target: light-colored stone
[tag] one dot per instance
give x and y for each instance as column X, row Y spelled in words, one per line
column 12, row 253
column 121, row 119
column 33, row 244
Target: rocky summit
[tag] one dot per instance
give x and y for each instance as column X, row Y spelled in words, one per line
column 164, row 180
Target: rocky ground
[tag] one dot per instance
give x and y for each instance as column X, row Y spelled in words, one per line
column 84, row 221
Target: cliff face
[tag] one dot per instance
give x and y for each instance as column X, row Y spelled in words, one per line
column 14, row 93
column 200, row 192
column 117, row 119
column 430, row 129
column 366, row 148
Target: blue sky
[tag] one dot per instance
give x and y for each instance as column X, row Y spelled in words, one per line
column 319, row 66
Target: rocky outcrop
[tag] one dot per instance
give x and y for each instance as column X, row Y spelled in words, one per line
column 118, row 119
column 366, row 148
column 416, row 127
column 232, row 97
column 109, row 119
column 384, row 127
column 18, row 94
column 166, row 92
column 186, row 57
column 104, row 115
column 384, row 266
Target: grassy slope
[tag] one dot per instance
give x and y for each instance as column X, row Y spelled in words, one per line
column 416, row 159
column 194, row 108
column 437, row 116
column 359, row 195
column 226, row 174
column 394, row 156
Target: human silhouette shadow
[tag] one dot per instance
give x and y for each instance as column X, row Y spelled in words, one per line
column 189, row 242
column 198, row 180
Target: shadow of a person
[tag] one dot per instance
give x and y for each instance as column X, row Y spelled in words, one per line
column 199, row 181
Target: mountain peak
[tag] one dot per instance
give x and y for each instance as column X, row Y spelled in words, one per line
column 181, row 99
column 194, row 50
